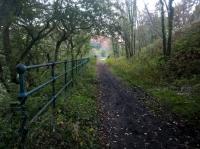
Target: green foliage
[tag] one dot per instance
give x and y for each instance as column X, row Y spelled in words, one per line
column 175, row 82
column 183, row 64
column 179, row 103
column 78, row 112
column 76, row 115
column 188, row 39
column 35, row 31
column 185, row 60
column 8, row 119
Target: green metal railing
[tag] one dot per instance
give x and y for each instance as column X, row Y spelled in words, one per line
column 74, row 67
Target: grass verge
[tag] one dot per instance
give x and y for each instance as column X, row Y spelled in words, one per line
column 146, row 74
column 76, row 116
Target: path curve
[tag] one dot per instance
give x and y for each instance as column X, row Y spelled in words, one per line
column 127, row 124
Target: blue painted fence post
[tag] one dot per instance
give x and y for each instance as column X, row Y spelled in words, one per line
column 22, row 96
column 53, row 96
column 65, row 72
column 65, row 65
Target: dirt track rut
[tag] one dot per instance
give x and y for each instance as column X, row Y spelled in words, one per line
column 127, row 124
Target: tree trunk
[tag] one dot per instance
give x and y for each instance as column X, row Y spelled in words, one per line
column 163, row 27
column 134, row 25
column 10, row 61
column 58, row 44
column 48, row 57
column 126, row 49
column 134, row 43
column 131, row 41
column 170, row 28
column 72, row 57
column 2, row 79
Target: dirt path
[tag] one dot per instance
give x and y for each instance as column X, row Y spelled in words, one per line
column 128, row 124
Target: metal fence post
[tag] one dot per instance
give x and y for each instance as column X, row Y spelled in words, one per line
column 21, row 69
column 81, row 68
column 79, row 63
column 76, row 65
column 72, row 71
column 53, row 96
column 65, row 65
column 65, row 72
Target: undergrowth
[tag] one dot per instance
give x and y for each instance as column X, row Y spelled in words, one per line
column 181, row 95
column 76, row 118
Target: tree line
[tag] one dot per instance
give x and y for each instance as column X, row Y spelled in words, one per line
column 140, row 28
column 38, row 31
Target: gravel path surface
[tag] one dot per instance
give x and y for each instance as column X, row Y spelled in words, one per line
column 127, row 124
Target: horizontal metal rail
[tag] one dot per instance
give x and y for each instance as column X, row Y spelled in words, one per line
column 50, row 64
column 68, row 74
column 49, row 102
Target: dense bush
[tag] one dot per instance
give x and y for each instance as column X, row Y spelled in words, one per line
column 185, row 60
column 189, row 39
column 184, row 64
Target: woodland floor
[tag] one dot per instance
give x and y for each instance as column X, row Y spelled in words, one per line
column 127, row 123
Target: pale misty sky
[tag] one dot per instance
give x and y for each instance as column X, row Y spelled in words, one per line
column 150, row 4
column 140, row 3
